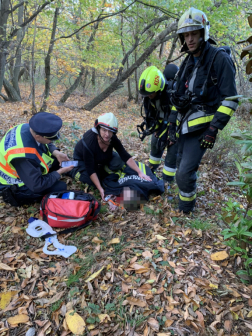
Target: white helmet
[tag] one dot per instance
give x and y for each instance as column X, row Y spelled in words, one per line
column 193, row 19
column 108, row 121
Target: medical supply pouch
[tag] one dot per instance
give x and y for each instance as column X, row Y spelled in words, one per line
column 77, row 210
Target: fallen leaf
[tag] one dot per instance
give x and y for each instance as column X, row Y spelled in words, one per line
column 147, row 254
column 6, row 267
column 104, row 318
column 228, row 325
column 219, row 255
column 5, row 298
column 114, row 241
column 75, row 322
column 159, row 237
column 94, row 275
column 153, row 324
column 22, row 318
column 55, row 298
column 96, row 240
column 136, row 302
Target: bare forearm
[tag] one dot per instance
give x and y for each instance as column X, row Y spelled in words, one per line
column 94, row 178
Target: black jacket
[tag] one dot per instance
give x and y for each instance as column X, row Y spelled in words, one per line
column 212, row 107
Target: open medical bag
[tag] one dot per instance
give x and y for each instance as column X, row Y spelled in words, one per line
column 68, row 213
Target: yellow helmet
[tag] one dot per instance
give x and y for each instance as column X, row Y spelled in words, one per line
column 151, row 80
column 193, row 19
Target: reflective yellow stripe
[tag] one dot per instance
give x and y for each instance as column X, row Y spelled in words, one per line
column 201, row 120
column 187, row 199
column 142, row 167
column 226, row 110
column 168, row 173
column 174, row 108
column 154, row 162
column 162, row 133
column 177, row 122
column 177, row 135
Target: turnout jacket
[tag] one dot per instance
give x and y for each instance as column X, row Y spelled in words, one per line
column 212, row 107
column 159, row 108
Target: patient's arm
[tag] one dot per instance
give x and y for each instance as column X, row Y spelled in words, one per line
column 95, row 180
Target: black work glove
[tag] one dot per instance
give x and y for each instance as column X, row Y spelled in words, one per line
column 172, row 132
column 208, row 138
column 162, row 135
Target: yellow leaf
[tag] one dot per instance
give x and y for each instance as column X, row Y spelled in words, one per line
column 249, row 314
column 104, row 318
column 5, row 298
column 114, row 241
column 159, row 237
column 94, row 275
column 6, row 267
column 213, row 286
column 136, row 302
column 219, row 255
column 75, row 322
column 104, row 287
column 96, row 240
column 22, row 318
column 91, row 326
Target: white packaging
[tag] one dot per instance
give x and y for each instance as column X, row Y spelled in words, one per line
column 71, row 195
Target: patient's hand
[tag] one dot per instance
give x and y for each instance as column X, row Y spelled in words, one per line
column 144, row 177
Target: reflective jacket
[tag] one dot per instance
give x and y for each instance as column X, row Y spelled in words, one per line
column 213, row 107
column 18, row 142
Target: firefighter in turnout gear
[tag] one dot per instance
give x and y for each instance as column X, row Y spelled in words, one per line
column 29, row 162
column 154, row 87
column 204, row 98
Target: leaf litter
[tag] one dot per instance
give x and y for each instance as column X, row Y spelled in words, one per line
column 147, row 272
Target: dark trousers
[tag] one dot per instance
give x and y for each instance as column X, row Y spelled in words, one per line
column 189, row 156
column 169, row 169
column 80, row 173
column 23, row 195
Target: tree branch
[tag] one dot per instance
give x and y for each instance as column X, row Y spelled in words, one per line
column 97, row 20
column 14, row 32
column 15, row 7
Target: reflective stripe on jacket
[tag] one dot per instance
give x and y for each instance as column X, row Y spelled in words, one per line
column 18, row 142
column 215, row 107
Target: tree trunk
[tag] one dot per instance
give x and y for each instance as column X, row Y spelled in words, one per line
column 93, row 77
column 4, row 7
column 48, row 61
column 20, row 36
column 84, row 79
column 34, row 108
column 162, row 37
column 12, row 94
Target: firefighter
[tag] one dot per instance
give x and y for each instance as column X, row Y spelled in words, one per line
column 204, row 98
column 29, row 162
column 154, row 87
column 95, row 151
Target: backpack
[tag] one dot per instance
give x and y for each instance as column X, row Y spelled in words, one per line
column 74, row 214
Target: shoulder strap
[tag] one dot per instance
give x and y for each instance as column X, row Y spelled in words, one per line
column 213, row 54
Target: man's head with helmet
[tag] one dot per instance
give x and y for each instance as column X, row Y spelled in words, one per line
column 193, row 31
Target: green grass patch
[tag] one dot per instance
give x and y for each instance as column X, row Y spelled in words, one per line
column 200, row 224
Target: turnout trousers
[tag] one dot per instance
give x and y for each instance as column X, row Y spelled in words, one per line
column 156, row 153
column 189, row 157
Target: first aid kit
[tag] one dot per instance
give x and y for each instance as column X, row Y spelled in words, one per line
column 66, row 209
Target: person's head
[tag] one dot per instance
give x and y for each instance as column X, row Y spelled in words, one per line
column 106, row 125
column 151, row 81
column 193, row 30
column 45, row 127
column 170, row 71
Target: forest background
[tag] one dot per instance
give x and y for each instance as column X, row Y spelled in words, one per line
column 153, row 271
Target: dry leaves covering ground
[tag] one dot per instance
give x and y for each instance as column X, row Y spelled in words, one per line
column 147, row 272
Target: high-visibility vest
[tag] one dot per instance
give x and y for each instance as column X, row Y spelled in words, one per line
column 18, row 142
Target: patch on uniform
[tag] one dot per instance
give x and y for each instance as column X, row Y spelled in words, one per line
column 148, row 85
column 8, row 179
column 10, row 139
column 77, row 176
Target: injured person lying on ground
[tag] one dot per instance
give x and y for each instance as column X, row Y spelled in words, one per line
column 109, row 171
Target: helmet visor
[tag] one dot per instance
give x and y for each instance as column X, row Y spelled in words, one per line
column 189, row 28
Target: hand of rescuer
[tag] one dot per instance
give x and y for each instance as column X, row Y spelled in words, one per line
column 60, row 156
column 172, row 134
column 64, row 170
column 208, row 138
column 144, row 177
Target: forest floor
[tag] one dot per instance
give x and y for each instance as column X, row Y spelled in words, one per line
column 153, row 270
